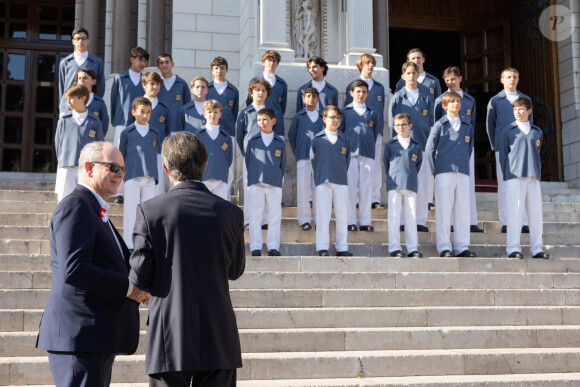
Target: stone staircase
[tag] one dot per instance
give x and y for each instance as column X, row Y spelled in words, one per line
column 366, row 320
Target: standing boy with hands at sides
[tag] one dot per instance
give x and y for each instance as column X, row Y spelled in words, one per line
column 452, row 78
column 95, row 104
column 402, row 159
column 327, row 94
column 265, row 157
column 139, row 144
column 191, row 115
column 417, row 56
column 448, row 150
column 305, row 125
column 174, row 92
column 519, row 150
column 330, row 157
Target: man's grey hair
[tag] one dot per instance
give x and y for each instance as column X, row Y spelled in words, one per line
column 185, row 156
column 93, row 151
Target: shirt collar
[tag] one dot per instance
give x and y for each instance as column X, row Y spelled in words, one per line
column 101, row 201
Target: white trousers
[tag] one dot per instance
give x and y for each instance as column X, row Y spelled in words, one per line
column 524, row 194
column 137, row 190
column 66, row 181
column 305, row 189
column 217, row 187
column 452, row 198
column 502, row 195
column 472, row 204
column 378, row 170
column 430, row 186
column 160, row 187
column 330, row 195
column 422, row 191
column 231, row 170
column 264, row 199
column 116, row 142
column 360, row 189
column 402, row 204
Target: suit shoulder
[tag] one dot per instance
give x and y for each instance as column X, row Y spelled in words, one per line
column 280, row 79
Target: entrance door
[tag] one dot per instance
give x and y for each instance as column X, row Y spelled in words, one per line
column 34, row 36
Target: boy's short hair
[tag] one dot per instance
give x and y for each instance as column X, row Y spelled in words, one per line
column 363, row 60
column 140, row 101
column 509, row 70
column 413, row 50
column 79, row 30
column 333, row 108
column 450, row 96
column 408, row 64
column 212, row 104
column 258, row 81
column 164, row 55
column 523, row 101
column 319, row 61
column 92, row 74
column 310, row 90
column 271, row 54
column 198, row 79
column 266, row 112
column 359, row 83
column 139, row 52
column 402, row 116
column 151, row 76
column 77, row 91
column 218, row 61
column 451, row 70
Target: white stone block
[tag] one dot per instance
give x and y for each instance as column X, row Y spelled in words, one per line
column 192, row 40
column 183, row 22
column 225, row 42
column 226, row 8
column 203, row 58
column 570, row 172
column 225, row 24
column 575, row 152
column 192, row 6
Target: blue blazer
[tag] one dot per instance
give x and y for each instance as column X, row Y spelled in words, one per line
column 430, row 81
column 123, row 92
column 328, row 96
column 500, row 113
column 230, row 106
column 87, row 308
column 67, row 71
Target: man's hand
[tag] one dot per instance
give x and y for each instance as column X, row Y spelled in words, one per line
column 139, row 295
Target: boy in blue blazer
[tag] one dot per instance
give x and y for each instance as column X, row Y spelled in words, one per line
column 327, row 94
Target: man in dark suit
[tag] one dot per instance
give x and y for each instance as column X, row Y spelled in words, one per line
column 92, row 309
column 188, row 243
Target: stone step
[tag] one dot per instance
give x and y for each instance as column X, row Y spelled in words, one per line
column 21, row 185
column 28, row 320
column 359, row 339
column 345, row 364
column 353, row 280
column 15, row 262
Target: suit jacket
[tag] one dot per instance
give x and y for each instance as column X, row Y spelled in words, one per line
column 87, row 308
column 188, row 243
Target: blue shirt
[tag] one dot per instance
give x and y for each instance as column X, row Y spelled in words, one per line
column 70, row 138
column 402, row 165
column 449, row 150
column 189, row 118
column 421, row 114
column 123, row 92
column 246, row 127
column 174, row 98
column 265, row 164
column 519, row 154
column 327, row 96
column 375, row 100
column 360, row 131
column 500, row 113
column 219, row 154
column 139, row 152
column 330, row 161
column 230, row 105
column 301, row 132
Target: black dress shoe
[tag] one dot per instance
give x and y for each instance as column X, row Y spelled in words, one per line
column 323, row 253
column 256, row 253
column 246, row 226
column 264, row 227
column 352, row 227
column 398, row 254
column 525, row 229
column 466, row 254
column 367, row 228
column 376, row 205
column 415, row 254
column 451, row 229
column 402, row 228
column 274, row 253
column 343, row 254
column 542, row 255
column 474, row 228
column 503, row 229
column 431, row 206
column 446, row 254
column 118, row 199
column 421, row 228
column 516, row 254
column 306, row 227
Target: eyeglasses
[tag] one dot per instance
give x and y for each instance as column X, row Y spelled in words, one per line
column 400, row 125
column 81, row 39
column 114, row 168
column 334, row 118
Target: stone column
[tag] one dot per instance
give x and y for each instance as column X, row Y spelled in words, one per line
column 274, row 29
column 155, row 29
column 359, row 31
column 90, row 21
column 121, row 36
column 381, row 28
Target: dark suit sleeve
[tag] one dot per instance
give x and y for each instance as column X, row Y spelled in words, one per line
column 75, row 239
column 238, row 264
column 142, row 260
